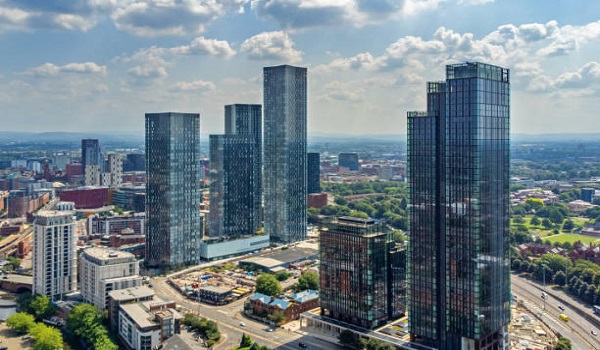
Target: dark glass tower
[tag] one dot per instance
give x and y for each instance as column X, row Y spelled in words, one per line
column 349, row 160
column 235, row 173
column 355, row 272
column 458, row 163
column 173, row 230
column 285, row 153
column 91, row 155
column 313, row 172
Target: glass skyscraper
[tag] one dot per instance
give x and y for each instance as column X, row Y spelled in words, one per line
column 235, row 173
column 285, row 89
column 313, row 172
column 92, row 161
column 173, row 230
column 355, row 270
column 458, row 170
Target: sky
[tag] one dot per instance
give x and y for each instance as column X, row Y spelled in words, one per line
column 99, row 65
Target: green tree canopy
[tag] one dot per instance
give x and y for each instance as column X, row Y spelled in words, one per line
column 268, row 284
column 20, row 322
column 308, row 280
column 41, row 307
column 85, row 321
column 534, row 203
column 350, row 339
column 246, row 341
column 563, row 344
column 46, row 338
column 276, row 317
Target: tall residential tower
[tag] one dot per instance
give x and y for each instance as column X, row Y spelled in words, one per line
column 458, row 170
column 285, row 152
column 54, row 261
column 235, row 173
column 173, row 230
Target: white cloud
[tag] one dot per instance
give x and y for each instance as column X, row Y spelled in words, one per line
column 172, row 17
column 203, row 46
column 584, row 77
column 140, row 17
column 271, row 46
column 146, row 75
column 197, row 85
column 49, row 69
column 298, row 14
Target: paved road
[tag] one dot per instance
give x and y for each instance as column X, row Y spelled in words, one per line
column 577, row 329
column 228, row 318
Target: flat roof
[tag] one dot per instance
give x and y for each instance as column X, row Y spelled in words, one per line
column 131, row 293
column 103, row 254
column 138, row 314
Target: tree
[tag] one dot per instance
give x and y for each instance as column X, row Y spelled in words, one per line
column 563, row 344
column 535, row 221
column 276, row 317
column 308, row 280
column 546, row 223
column 556, row 216
column 24, row 300
column 559, row 278
column 15, row 263
column 400, row 236
column 568, row 225
column 46, row 338
column 283, row 275
column 350, row 339
column 41, row 307
column 268, row 284
column 85, row 321
column 246, row 341
column 534, row 203
column 20, row 322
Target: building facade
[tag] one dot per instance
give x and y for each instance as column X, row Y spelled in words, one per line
column 173, row 197
column 355, row 271
column 236, row 173
column 285, row 113
column 458, row 170
column 91, row 161
column 54, row 261
column 313, row 172
column 103, row 270
column 349, row 160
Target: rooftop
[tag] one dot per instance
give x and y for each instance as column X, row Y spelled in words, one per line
column 131, row 293
column 104, row 254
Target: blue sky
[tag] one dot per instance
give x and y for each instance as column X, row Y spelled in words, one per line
column 99, row 65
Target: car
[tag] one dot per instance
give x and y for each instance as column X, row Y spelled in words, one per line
column 242, row 324
column 562, row 308
column 302, row 345
column 593, row 332
column 25, row 337
column 269, row 330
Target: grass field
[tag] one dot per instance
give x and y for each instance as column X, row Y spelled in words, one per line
column 570, row 237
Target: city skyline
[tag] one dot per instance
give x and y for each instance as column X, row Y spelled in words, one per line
column 111, row 63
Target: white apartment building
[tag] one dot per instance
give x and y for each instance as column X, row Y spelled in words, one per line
column 143, row 326
column 103, row 270
column 54, row 259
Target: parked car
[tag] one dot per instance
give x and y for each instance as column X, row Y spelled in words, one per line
column 302, row 345
column 562, row 308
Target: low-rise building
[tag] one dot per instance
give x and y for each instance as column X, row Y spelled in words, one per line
column 214, row 294
column 125, row 296
column 145, row 325
column 291, row 307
